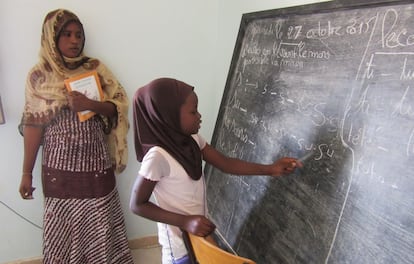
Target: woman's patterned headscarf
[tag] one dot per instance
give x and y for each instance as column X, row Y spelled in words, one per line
column 45, row 89
column 157, row 107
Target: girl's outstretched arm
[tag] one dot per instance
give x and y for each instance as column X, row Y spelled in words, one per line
column 226, row 164
column 140, row 204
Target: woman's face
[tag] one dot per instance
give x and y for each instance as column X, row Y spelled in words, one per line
column 71, row 38
column 189, row 116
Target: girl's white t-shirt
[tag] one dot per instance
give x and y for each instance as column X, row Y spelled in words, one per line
column 175, row 191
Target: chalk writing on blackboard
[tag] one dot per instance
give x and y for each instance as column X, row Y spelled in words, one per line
column 334, row 82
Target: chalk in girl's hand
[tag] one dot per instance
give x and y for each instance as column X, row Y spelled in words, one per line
column 307, row 156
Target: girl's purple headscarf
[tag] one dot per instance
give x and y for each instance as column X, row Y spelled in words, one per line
column 156, row 109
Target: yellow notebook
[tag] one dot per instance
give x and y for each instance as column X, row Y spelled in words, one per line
column 89, row 85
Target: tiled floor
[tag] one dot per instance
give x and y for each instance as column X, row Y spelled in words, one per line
column 150, row 255
column 144, row 251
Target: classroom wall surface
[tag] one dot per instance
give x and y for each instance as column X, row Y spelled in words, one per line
column 138, row 40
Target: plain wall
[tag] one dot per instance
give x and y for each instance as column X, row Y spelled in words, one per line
column 138, row 40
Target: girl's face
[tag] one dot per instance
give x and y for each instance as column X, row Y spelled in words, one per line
column 71, row 38
column 189, row 116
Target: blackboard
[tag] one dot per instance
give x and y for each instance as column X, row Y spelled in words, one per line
column 335, row 80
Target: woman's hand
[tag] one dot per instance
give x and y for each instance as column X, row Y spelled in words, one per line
column 78, row 102
column 26, row 189
column 198, row 225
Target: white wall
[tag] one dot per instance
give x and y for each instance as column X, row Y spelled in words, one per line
column 191, row 40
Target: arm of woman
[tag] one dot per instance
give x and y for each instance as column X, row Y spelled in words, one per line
column 32, row 137
column 79, row 102
column 140, row 204
column 230, row 165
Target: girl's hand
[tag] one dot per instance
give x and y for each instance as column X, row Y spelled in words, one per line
column 78, row 102
column 26, row 189
column 285, row 166
column 198, row 225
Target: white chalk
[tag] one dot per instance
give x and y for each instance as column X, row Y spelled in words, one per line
column 307, row 156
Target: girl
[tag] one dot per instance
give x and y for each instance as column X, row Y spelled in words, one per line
column 83, row 220
column 166, row 123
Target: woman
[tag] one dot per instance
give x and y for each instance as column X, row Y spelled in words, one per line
column 83, row 220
